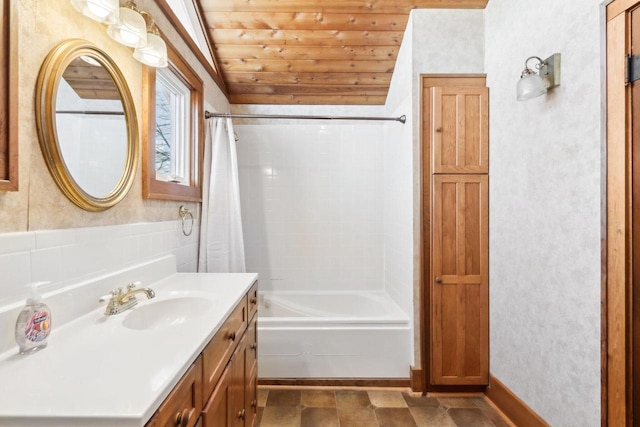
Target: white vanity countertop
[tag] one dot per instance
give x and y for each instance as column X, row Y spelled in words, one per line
column 96, row 372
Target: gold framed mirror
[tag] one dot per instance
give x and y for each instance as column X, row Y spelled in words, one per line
column 87, row 125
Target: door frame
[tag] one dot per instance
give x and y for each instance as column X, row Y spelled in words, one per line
column 427, row 81
column 617, row 243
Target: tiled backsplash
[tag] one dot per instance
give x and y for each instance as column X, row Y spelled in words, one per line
column 312, row 204
column 71, row 255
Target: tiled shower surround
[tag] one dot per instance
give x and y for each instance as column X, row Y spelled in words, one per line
column 312, row 204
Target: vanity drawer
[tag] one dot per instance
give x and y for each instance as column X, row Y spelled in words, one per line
column 182, row 407
column 252, row 299
column 218, row 352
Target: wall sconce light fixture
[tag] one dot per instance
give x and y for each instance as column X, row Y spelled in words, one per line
column 129, row 26
column 154, row 53
column 532, row 84
column 104, row 11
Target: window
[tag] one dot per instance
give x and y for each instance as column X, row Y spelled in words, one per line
column 173, row 131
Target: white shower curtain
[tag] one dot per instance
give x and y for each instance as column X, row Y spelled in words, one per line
column 221, row 241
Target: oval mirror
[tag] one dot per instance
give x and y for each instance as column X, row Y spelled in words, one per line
column 87, row 125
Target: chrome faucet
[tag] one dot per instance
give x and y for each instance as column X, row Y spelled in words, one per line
column 120, row 300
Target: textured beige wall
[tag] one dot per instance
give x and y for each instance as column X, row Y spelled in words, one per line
column 40, row 204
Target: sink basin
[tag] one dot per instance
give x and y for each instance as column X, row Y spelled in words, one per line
column 165, row 313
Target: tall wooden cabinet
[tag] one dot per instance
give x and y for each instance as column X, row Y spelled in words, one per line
column 456, row 226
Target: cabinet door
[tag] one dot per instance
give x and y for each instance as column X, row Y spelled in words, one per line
column 459, row 288
column 182, row 407
column 218, row 410
column 238, row 366
column 251, row 370
column 460, row 132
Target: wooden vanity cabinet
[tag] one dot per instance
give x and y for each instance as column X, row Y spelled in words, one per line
column 222, row 384
column 182, row 407
column 218, row 352
column 234, row 402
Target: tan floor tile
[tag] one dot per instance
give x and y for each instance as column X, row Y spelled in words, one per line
column 283, row 398
column 457, row 402
column 352, row 399
column 319, row 417
column 357, row 417
column 262, row 397
column 319, row 398
column 416, row 399
column 394, row 417
column 387, row 399
column 280, row 416
column 489, row 412
column 469, row 417
column 259, row 417
column 425, row 416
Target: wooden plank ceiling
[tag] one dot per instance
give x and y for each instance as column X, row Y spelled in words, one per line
column 310, row 51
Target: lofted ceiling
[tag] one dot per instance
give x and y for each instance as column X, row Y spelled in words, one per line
column 310, row 51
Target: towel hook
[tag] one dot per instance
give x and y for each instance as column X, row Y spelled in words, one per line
column 184, row 213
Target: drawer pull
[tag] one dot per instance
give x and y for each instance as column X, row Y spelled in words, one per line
column 183, row 419
column 232, row 336
column 254, row 403
column 241, row 414
column 253, row 346
column 253, row 300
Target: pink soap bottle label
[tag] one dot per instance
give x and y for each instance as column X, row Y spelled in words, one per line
column 38, row 327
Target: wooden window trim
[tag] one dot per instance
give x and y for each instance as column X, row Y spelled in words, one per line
column 175, row 22
column 8, row 97
column 151, row 187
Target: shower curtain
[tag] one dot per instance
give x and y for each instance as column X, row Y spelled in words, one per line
column 221, row 241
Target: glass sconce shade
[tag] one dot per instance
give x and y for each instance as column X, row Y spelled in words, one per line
column 154, row 53
column 105, row 11
column 130, row 30
column 530, row 85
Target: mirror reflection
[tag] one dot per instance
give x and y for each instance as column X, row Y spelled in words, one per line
column 87, row 125
column 91, row 126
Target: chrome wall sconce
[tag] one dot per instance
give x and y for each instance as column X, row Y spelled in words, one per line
column 533, row 84
column 129, row 26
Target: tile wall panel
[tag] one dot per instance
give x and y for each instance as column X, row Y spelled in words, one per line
column 312, row 204
column 67, row 256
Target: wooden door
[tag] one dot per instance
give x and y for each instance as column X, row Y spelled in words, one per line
column 238, row 366
column 218, row 410
column 251, row 370
column 460, row 139
column 460, row 288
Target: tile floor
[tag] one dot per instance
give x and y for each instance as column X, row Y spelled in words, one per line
column 322, row 407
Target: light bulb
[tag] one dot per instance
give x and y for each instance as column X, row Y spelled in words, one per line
column 97, row 9
column 154, row 53
column 130, row 30
column 128, row 36
column 105, row 11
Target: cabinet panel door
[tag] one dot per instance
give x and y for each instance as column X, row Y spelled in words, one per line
column 238, row 366
column 183, row 405
column 460, row 133
column 218, row 412
column 459, row 287
column 251, row 370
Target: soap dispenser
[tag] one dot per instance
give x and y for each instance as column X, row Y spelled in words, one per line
column 34, row 321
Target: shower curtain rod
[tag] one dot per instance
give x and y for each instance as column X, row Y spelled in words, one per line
column 209, row 115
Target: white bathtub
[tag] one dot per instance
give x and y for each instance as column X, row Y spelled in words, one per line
column 332, row 335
